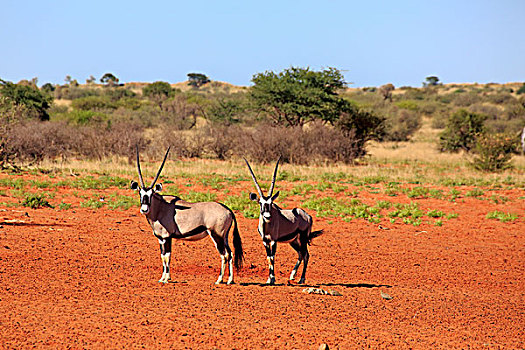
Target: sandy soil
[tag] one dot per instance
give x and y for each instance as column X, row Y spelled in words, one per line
column 84, row 278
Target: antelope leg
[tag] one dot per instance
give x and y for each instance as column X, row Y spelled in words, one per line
column 271, row 248
column 165, row 256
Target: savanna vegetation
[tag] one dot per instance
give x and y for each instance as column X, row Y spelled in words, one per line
column 307, row 117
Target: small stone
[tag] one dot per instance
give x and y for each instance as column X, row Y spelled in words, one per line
column 324, row 347
column 386, row 296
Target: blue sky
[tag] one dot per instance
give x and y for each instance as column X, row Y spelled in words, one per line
column 371, row 42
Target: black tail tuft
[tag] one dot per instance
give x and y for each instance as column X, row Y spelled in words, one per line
column 314, row 234
column 237, row 245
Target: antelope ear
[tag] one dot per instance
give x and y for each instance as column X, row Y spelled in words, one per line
column 253, row 196
column 134, row 185
column 275, row 195
column 158, row 187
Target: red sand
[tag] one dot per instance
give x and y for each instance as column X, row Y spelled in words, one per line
column 84, row 278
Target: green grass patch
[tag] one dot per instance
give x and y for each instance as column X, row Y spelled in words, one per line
column 17, row 184
column 501, row 216
column 435, row 214
column 216, row 182
column 323, row 186
column 302, row 189
column 35, row 201
column 242, row 203
column 194, row 197
column 499, row 199
column 417, row 192
column 122, row 202
column 94, row 183
column 331, row 207
column 92, row 203
column 476, row 192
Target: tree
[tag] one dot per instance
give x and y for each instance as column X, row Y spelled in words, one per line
column 386, row 91
column 299, row 95
column 461, row 131
column 197, row 79
column 360, row 126
column 91, row 80
column 158, row 90
column 225, row 111
column 11, row 114
column 109, row 79
column 431, row 81
column 32, row 98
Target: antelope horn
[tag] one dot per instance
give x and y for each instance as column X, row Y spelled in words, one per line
column 254, row 179
column 160, row 169
column 274, row 177
column 138, row 166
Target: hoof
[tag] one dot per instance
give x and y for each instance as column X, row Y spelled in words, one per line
column 301, row 281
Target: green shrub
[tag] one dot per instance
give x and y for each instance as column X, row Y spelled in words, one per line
column 93, row 103
column 461, row 131
column 157, row 90
column 408, row 104
column 35, row 201
column 493, row 152
column 503, row 217
column 401, row 125
column 476, row 192
column 83, row 117
column 521, row 90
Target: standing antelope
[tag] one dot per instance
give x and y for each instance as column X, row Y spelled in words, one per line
column 171, row 217
column 280, row 225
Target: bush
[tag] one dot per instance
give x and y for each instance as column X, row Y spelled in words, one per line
column 35, row 201
column 408, row 104
column 35, row 101
column 34, row 141
column 521, row 90
column 157, row 91
column 493, row 152
column 72, row 93
column 461, row 131
column 401, row 125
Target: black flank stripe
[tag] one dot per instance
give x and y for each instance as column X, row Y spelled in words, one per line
column 288, row 236
column 195, row 231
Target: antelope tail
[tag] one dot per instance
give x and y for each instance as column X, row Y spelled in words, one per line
column 237, row 245
column 314, row 234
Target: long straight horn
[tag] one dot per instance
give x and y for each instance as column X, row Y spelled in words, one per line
column 254, row 179
column 160, row 169
column 138, row 166
column 274, row 177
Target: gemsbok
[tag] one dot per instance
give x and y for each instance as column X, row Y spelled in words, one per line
column 172, row 218
column 283, row 226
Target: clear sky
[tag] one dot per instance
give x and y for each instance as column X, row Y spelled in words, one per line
column 371, row 42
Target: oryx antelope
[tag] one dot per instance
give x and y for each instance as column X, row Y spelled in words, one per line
column 172, row 218
column 280, row 225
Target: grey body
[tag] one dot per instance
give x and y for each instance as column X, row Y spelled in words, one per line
column 173, row 218
column 282, row 225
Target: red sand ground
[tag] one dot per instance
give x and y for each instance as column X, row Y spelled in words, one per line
column 84, row 278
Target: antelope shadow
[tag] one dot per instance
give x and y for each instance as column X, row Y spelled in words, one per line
column 28, row 224
column 317, row 285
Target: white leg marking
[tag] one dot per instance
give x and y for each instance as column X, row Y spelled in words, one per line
column 230, row 264
column 223, row 267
